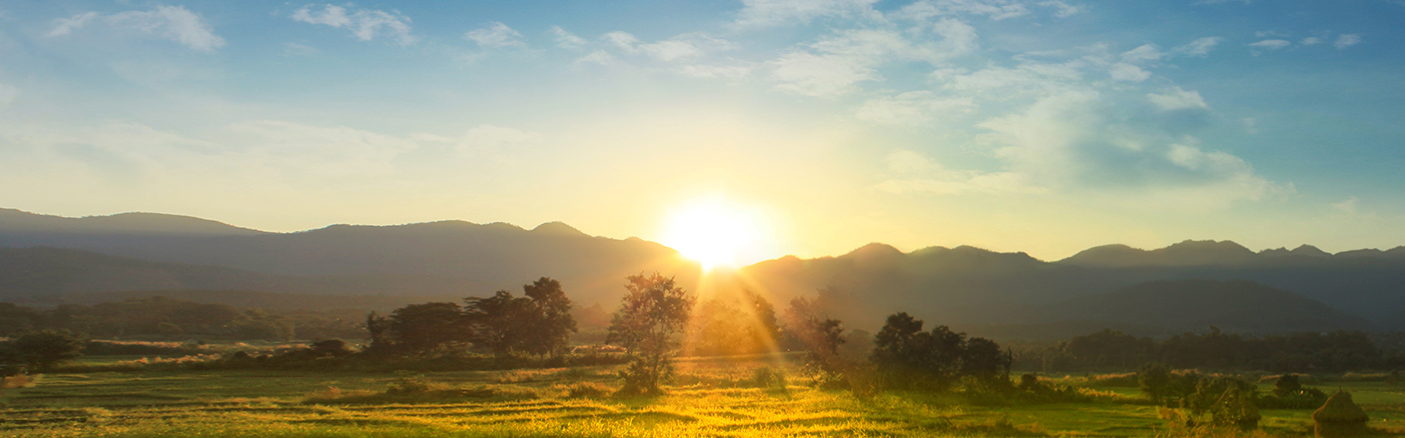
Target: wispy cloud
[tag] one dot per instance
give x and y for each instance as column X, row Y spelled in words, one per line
column 780, row 12
column 1062, row 10
column 175, row 23
column 1177, row 99
column 913, row 108
column 681, row 47
column 566, row 39
column 495, row 35
column 994, row 9
column 1269, row 45
column 1347, row 40
column 364, row 24
column 1200, row 47
column 834, row 64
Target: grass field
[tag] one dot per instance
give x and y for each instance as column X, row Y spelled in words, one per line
column 710, row 398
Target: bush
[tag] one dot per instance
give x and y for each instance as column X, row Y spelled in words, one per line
column 768, row 378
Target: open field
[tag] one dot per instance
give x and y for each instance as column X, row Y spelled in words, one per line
column 709, row 398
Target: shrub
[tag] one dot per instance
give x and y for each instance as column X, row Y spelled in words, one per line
column 767, row 378
column 588, row 390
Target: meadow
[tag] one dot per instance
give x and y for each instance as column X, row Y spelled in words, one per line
column 747, row 396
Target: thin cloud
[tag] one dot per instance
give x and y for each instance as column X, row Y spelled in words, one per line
column 1178, row 99
column 175, row 23
column 1062, row 10
column 364, row 24
column 495, row 35
column 757, row 13
column 1347, row 40
column 1200, row 47
column 566, row 39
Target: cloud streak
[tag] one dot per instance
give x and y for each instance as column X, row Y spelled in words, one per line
column 174, row 23
column 364, row 24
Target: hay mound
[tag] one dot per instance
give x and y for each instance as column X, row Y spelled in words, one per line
column 1340, row 417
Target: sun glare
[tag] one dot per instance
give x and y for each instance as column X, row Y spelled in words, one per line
column 717, row 233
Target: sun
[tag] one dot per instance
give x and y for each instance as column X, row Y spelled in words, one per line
column 715, row 232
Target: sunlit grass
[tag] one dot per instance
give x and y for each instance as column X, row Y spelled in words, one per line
column 710, row 398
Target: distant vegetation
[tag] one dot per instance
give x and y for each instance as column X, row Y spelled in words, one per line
column 1111, row 350
column 165, row 318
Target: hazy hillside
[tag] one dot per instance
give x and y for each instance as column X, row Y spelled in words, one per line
column 35, row 273
column 975, row 286
column 415, row 259
column 260, row 300
column 957, row 286
column 1195, row 304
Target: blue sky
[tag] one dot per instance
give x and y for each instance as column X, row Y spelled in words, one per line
column 1038, row 126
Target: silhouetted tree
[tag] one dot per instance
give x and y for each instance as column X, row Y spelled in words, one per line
column 426, row 328
column 650, row 317
column 908, row 356
column 43, row 349
column 499, row 321
column 539, row 322
column 550, row 313
column 808, row 325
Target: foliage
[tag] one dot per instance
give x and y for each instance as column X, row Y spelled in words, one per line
column 167, row 318
column 1299, row 352
column 819, row 335
column 420, row 329
column 651, row 314
column 723, row 326
column 540, row 322
column 41, row 350
column 1288, row 393
column 907, row 356
column 1153, row 380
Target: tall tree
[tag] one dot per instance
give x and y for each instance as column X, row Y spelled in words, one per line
column 538, row 323
column 550, row 315
column 650, row 317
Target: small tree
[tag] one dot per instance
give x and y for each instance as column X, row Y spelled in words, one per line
column 42, row 349
column 650, row 317
column 1153, row 379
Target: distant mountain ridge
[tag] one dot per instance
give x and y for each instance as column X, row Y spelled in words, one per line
column 132, row 253
column 418, row 259
column 974, row 286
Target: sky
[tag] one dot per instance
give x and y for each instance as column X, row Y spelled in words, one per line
column 1045, row 126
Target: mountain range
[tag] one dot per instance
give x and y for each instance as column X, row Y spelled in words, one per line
column 1185, row 286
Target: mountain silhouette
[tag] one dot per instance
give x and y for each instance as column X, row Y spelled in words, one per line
column 47, row 256
column 417, row 259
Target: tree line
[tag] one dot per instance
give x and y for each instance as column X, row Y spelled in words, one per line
column 1113, row 350
column 168, row 318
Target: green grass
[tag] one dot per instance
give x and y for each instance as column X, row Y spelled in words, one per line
column 711, row 398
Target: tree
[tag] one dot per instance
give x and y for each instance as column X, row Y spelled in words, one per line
column 651, row 315
column 426, row 328
column 538, row 323
column 905, row 353
column 1153, row 380
column 550, row 314
column 498, row 321
column 744, row 324
column 42, row 349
